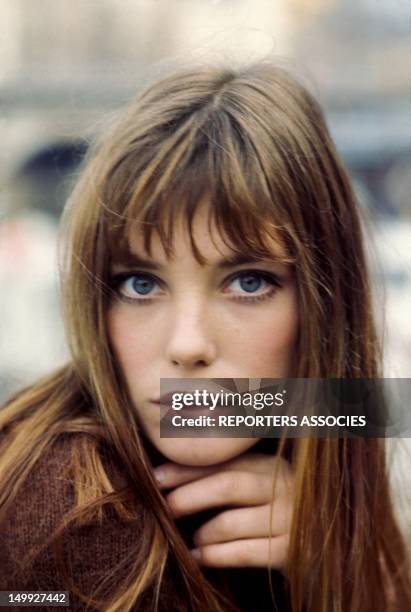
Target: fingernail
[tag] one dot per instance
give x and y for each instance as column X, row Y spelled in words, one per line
column 196, row 553
column 159, row 474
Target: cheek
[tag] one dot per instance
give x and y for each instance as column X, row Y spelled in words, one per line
column 266, row 340
column 266, row 344
column 129, row 341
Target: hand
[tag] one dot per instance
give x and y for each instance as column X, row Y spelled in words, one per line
column 239, row 536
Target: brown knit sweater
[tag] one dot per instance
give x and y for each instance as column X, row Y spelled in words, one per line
column 88, row 551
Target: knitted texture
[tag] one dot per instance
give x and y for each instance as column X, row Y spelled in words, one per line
column 94, row 551
column 88, row 551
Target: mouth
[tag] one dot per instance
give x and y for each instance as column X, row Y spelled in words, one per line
column 194, row 399
column 167, row 398
column 166, row 405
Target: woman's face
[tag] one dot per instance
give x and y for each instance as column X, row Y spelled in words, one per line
column 176, row 318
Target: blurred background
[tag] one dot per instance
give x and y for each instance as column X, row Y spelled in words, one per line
column 65, row 66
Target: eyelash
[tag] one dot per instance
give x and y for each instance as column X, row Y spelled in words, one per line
column 271, row 279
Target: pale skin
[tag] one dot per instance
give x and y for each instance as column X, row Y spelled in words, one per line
column 238, row 537
column 227, row 319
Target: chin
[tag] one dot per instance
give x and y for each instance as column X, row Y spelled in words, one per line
column 203, row 451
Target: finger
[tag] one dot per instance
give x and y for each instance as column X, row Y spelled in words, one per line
column 221, row 489
column 259, row 463
column 260, row 552
column 170, row 475
column 256, row 522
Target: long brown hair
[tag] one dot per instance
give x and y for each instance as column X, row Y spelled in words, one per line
column 256, row 143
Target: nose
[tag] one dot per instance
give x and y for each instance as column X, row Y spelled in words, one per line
column 191, row 341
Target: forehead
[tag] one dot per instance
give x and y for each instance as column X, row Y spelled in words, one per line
column 203, row 233
column 201, row 239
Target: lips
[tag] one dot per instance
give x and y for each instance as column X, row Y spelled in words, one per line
column 166, row 403
column 167, row 398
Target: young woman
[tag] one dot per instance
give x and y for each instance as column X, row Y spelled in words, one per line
column 213, row 234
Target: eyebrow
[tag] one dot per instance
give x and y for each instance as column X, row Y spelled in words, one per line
column 132, row 260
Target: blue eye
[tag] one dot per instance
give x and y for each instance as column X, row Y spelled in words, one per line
column 250, row 282
column 253, row 285
column 135, row 286
column 141, row 285
column 249, row 285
